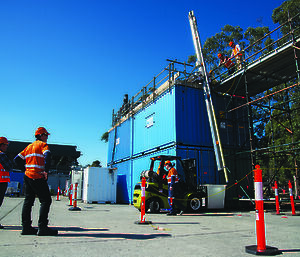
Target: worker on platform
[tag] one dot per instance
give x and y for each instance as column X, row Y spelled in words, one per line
column 6, row 166
column 224, row 60
column 236, row 53
column 172, row 186
column 35, row 160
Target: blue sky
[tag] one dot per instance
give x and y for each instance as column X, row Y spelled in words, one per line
column 66, row 64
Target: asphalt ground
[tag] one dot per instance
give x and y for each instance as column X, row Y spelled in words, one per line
column 110, row 230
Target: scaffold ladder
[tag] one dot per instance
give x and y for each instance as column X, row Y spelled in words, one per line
column 208, row 101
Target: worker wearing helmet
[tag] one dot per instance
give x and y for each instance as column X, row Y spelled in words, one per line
column 6, row 166
column 35, row 160
column 172, row 183
column 236, row 53
column 224, row 60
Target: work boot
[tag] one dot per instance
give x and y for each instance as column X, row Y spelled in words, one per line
column 171, row 214
column 46, row 231
column 29, row 231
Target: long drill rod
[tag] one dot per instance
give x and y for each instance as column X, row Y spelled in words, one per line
column 208, row 101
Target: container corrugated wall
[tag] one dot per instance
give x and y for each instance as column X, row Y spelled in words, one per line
column 124, row 181
column 119, row 141
column 192, row 127
column 179, row 117
column 176, row 120
column 154, row 126
column 100, row 185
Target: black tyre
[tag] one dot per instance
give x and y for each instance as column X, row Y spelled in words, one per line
column 154, row 206
column 194, row 203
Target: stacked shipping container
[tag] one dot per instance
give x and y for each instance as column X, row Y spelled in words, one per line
column 175, row 123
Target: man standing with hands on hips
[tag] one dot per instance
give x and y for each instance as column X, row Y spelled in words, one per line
column 35, row 159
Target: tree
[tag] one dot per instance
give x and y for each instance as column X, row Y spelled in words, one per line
column 255, row 41
column 219, row 43
column 96, row 164
column 104, row 137
column 287, row 9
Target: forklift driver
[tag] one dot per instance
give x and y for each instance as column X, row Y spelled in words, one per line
column 164, row 173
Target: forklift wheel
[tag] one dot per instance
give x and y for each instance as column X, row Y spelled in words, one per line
column 194, row 203
column 154, row 206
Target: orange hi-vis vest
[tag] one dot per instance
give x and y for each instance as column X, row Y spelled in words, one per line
column 236, row 51
column 172, row 172
column 4, row 175
column 35, row 159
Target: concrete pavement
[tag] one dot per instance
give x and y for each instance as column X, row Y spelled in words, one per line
column 110, row 230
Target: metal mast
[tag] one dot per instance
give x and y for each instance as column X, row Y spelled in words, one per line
column 208, row 101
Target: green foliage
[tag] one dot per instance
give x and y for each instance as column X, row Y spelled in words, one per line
column 279, row 134
column 96, row 164
column 259, row 35
column 104, row 137
column 256, row 41
column 287, row 9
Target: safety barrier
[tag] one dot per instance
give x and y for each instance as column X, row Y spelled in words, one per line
column 292, row 198
column 260, row 248
column 58, row 192
column 75, row 208
column 71, row 195
column 276, row 198
column 143, row 204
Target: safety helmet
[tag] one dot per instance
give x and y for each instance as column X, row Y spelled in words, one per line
column 219, row 55
column 168, row 163
column 41, row 130
column 231, row 43
column 3, row 140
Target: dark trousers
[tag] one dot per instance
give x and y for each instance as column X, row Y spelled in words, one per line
column 33, row 188
column 3, row 187
column 171, row 197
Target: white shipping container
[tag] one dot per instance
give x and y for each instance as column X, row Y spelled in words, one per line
column 99, row 185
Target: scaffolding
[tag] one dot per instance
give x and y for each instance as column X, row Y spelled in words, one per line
column 269, row 80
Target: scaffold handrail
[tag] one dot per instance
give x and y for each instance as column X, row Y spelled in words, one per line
column 278, row 42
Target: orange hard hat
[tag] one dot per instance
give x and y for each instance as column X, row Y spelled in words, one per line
column 231, row 43
column 219, row 55
column 168, row 163
column 41, row 130
column 3, row 140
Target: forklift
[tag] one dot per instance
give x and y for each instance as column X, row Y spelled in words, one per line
column 190, row 197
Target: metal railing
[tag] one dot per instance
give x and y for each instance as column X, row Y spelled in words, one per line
column 174, row 71
column 256, row 50
column 182, row 72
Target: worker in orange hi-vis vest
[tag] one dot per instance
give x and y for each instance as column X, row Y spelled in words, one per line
column 5, row 167
column 236, row 53
column 224, row 60
column 35, row 160
column 172, row 186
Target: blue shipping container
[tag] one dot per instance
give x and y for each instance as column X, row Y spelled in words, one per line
column 119, row 141
column 176, row 119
